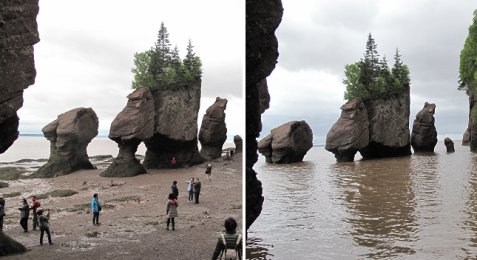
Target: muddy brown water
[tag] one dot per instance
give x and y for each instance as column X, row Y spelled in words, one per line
column 419, row 207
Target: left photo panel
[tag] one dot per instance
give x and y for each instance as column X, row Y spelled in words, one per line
column 121, row 126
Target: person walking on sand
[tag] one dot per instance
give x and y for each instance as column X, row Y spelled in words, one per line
column 229, row 244
column 174, row 189
column 34, row 206
column 190, row 189
column 24, row 214
column 95, row 208
column 208, row 171
column 171, row 211
column 44, row 226
column 197, row 187
column 2, row 212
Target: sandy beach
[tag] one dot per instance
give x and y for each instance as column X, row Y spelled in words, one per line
column 133, row 219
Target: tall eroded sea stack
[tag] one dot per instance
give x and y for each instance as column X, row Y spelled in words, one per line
column 175, row 132
column 213, row 131
column 18, row 34
column 424, row 134
column 133, row 125
column 262, row 19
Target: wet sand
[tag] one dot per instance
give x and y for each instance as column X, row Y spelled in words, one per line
column 133, row 219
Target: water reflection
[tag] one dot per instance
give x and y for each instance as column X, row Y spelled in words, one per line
column 257, row 250
column 380, row 204
column 470, row 224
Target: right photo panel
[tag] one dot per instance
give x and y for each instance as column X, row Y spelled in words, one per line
column 361, row 130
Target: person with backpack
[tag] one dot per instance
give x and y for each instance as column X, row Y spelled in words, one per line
column 229, row 244
column 95, row 208
column 171, row 211
column 34, row 206
column 174, row 189
column 2, row 212
column 44, row 227
column 24, row 214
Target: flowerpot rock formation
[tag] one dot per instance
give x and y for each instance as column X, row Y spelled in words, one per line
column 213, row 131
column 424, row 134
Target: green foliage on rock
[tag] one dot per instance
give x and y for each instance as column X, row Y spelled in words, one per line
column 162, row 68
column 468, row 60
column 371, row 78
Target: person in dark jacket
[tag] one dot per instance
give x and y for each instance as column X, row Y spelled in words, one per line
column 2, row 212
column 44, row 226
column 229, row 243
column 24, row 214
column 197, row 187
column 174, row 189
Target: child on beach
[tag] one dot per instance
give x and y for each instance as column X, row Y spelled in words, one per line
column 190, row 188
column 34, row 206
column 171, row 211
column 44, row 227
column 2, row 212
column 24, row 214
column 95, row 208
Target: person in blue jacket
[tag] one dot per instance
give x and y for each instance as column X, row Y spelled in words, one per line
column 95, row 208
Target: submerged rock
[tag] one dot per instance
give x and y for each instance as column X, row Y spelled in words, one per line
column 175, row 132
column 238, row 144
column 69, row 136
column 350, row 133
column 424, row 134
column 287, row 143
column 18, row 34
column 449, row 145
column 213, row 131
column 263, row 18
column 134, row 124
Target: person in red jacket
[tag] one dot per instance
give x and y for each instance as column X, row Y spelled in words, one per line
column 34, row 206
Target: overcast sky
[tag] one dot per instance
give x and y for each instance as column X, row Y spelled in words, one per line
column 85, row 55
column 318, row 37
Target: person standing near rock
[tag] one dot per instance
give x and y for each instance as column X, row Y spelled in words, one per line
column 208, row 171
column 197, row 187
column 24, row 214
column 2, row 212
column 174, row 189
column 95, row 208
column 44, row 227
column 190, row 189
column 34, row 206
column 171, row 211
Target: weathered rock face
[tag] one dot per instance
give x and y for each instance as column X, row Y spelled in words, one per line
column 213, row 131
column 264, row 96
column 467, row 133
column 262, row 19
column 449, row 145
column 18, row 34
column 287, row 143
column 424, row 134
column 134, row 124
column 238, row 144
column 9, row 246
column 175, row 133
column 388, row 127
column 350, row 133
column 69, row 136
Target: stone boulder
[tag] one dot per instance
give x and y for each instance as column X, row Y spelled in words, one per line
column 263, row 18
column 238, row 143
column 69, row 136
column 449, row 145
column 424, row 134
column 350, row 133
column 133, row 125
column 213, row 131
column 175, row 132
column 8, row 246
column 18, row 34
column 287, row 143
column 388, row 127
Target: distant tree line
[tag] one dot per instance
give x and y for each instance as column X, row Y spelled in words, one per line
column 468, row 60
column 161, row 67
column 371, row 78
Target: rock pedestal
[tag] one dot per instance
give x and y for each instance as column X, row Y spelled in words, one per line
column 18, row 34
column 449, row 145
column 287, row 143
column 424, row 134
column 213, row 132
column 238, row 143
column 134, row 124
column 350, row 133
column 175, row 132
column 69, row 136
